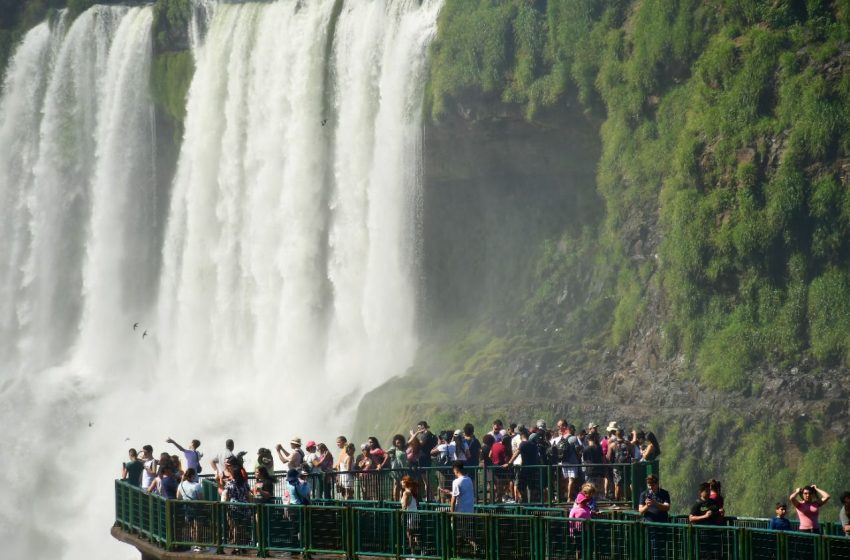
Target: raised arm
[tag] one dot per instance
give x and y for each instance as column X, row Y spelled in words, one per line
column 282, row 453
column 824, row 497
column 177, row 445
column 793, row 497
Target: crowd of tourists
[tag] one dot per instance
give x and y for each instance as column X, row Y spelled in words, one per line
column 589, row 464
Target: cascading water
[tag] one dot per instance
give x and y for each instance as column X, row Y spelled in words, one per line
column 279, row 286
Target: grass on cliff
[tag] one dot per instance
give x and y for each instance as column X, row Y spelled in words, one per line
column 726, row 123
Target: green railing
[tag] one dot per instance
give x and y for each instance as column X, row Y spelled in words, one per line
column 494, row 532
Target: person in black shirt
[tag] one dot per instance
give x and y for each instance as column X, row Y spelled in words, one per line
column 528, row 479
column 654, row 503
column 706, row 511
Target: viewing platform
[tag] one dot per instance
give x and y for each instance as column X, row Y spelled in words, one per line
column 167, row 529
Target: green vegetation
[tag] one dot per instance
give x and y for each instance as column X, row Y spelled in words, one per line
column 726, row 125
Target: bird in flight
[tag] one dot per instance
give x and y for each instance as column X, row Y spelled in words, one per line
column 135, row 326
column 144, row 334
column 324, row 122
column 91, row 423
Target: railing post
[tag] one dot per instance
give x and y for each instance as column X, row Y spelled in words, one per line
column 260, row 532
column 169, row 529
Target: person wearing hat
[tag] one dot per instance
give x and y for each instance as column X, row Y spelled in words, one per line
column 298, row 489
column 311, row 456
column 295, row 458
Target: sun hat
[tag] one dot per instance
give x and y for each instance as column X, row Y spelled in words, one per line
column 612, row 427
column 296, row 441
column 592, row 425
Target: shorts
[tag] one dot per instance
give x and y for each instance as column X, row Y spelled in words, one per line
column 570, row 472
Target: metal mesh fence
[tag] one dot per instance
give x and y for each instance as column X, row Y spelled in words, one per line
column 327, row 529
column 665, row 541
column 374, row 532
column 194, row 523
column 514, row 537
column 239, row 529
column 763, row 544
column 715, row 543
column 801, row 546
column 612, row 540
column 469, row 535
column 562, row 539
column 422, row 534
column 836, row 548
column 283, row 527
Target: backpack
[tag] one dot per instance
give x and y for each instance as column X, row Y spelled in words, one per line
column 443, row 458
column 622, row 453
column 542, row 447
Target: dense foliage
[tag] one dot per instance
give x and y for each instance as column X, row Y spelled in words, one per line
column 727, row 125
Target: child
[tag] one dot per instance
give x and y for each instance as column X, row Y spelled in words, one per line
column 779, row 523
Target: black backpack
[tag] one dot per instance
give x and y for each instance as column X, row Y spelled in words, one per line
column 622, row 453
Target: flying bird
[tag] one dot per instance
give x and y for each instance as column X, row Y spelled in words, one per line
column 324, row 122
column 144, row 334
column 91, row 423
column 135, row 326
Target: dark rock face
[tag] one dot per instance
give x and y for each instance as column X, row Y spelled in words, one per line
column 494, row 188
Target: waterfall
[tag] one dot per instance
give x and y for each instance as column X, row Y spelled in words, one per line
column 276, row 285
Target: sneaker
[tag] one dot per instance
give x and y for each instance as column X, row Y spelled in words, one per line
column 197, row 549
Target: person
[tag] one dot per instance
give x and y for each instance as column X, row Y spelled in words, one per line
column 379, row 456
column 131, row 471
column 345, row 480
column 293, row 459
column 151, row 466
column 462, row 492
column 299, row 490
column 652, row 449
column 324, row 463
column 311, row 457
column 654, row 506
column 705, row 511
column 190, row 490
column 367, row 474
column 780, row 523
column 397, row 463
column 654, row 502
column 527, row 480
column 716, row 494
column 236, row 491
column 265, row 459
column 445, row 453
column 427, row 442
column 192, row 455
column 591, row 457
column 176, row 467
column 473, row 448
column 498, row 430
column 410, row 506
column 808, row 501
column 619, row 453
column 844, row 513
column 165, row 484
column 581, row 508
column 218, row 462
column 263, row 486
column 636, row 441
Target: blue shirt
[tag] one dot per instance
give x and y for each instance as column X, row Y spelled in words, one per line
column 297, row 492
column 464, row 495
column 780, row 524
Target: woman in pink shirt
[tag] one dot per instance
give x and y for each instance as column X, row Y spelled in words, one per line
column 808, row 507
